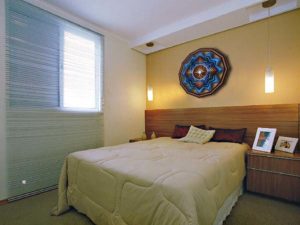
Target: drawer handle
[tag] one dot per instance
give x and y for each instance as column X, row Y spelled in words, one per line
column 276, row 157
column 269, row 171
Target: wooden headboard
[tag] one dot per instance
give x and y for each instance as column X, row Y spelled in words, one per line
column 283, row 117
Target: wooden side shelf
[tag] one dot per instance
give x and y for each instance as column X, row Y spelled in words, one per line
column 3, row 202
column 275, row 174
column 136, row 140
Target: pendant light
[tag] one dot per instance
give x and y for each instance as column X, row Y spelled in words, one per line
column 150, row 93
column 269, row 73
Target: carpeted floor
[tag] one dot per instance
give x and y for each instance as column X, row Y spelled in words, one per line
column 250, row 210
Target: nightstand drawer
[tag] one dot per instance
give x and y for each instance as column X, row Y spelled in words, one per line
column 275, row 174
column 272, row 184
column 277, row 165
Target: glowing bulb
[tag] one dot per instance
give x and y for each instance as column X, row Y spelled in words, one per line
column 150, row 93
column 269, row 80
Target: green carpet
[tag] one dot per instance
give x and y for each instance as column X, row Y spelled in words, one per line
column 250, row 210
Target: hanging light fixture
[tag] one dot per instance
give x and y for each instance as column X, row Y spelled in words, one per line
column 150, row 93
column 269, row 73
column 269, row 80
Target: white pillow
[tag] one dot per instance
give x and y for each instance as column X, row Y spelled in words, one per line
column 197, row 135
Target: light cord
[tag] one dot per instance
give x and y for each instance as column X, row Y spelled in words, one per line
column 268, row 39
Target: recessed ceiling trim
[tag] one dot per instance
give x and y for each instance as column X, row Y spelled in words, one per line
column 166, row 23
column 259, row 13
column 202, row 17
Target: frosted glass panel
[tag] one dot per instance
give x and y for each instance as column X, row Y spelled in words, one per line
column 52, row 65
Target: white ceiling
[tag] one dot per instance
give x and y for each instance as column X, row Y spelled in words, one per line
column 169, row 22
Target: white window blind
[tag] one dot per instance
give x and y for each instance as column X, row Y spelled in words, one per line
column 80, row 71
column 54, row 94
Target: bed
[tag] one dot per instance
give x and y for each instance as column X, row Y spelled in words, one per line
column 160, row 182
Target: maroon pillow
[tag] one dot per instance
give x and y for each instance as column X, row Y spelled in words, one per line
column 229, row 135
column 182, row 130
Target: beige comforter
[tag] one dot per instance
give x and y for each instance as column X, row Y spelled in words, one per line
column 160, row 182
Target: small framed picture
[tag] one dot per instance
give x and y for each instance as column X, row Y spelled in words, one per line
column 264, row 139
column 286, row 144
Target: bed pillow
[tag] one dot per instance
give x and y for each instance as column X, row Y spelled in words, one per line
column 182, row 130
column 229, row 135
column 196, row 135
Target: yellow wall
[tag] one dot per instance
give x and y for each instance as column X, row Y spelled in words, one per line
column 246, row 48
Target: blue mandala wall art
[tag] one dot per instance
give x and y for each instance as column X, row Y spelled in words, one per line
column 203, row 72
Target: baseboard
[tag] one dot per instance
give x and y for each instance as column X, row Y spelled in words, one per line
column 33, row 193
column 3, row 202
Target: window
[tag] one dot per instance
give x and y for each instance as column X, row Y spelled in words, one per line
column 53, row 63
column 80, row 72
column 53, row 67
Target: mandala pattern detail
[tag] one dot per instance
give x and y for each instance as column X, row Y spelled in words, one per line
column 203, row 72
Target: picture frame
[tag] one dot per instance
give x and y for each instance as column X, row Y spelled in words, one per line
column 264, row 139
column 286, row 144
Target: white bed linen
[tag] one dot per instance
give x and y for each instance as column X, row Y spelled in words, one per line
column 161, row 181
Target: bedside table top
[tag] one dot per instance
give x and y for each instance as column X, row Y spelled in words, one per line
column 275, row 154
column 137, row 139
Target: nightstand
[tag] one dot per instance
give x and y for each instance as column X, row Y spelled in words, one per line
column 136, row 140
column 275, row 174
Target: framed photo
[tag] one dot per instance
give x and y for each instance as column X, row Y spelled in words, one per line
column 264, row 139
column 286, row 144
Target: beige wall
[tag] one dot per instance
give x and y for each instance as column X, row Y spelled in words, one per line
column 246, row 48
column 124, row 92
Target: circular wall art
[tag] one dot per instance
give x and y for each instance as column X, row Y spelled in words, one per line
column 203, row 72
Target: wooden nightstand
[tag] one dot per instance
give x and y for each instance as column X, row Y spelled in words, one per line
column 275, row 174
column 136, row 140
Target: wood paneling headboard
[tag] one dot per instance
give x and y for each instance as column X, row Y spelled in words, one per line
column 283, row 117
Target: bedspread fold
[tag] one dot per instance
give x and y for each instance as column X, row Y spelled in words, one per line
column 62, row 204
